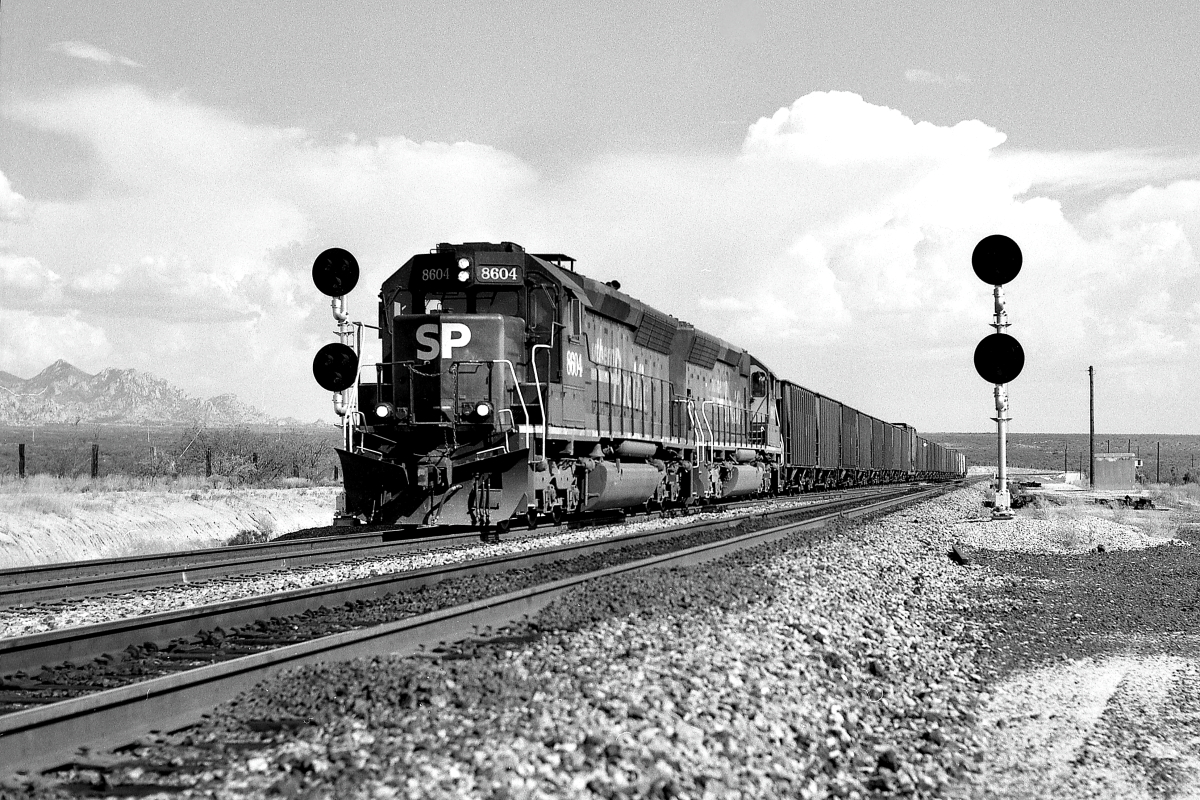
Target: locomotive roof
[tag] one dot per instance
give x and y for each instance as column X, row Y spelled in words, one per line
column 606, row 300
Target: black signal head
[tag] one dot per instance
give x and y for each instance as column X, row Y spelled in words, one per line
column 996, row 259
column 999, row 358
column 335, row 367
column 335, row 272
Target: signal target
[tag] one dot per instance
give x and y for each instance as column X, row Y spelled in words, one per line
column 335, row 367
column 335, row 272
column 999, row 358
column 996, row 259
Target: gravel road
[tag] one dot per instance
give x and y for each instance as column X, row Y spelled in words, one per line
column 864, row 663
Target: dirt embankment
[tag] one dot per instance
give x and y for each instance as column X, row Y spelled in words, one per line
column 38, row 528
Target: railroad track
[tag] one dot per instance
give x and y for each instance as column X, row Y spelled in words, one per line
column 194, row 679
column 97, row 577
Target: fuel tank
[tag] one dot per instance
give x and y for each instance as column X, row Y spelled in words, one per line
column 612, row 485
column 742, row 479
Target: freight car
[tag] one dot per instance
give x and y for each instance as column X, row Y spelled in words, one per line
column 512, row 386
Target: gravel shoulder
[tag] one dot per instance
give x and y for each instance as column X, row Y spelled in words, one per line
column 862, row 662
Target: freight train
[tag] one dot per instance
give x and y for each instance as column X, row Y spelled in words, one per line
column 513, row 387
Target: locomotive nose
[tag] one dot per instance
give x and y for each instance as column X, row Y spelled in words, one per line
column 457, row 369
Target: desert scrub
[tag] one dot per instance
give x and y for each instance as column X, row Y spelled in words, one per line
column 1184, row 496
column 50, row 484
column 263, row 531
column 181, row 484
column 247, row 537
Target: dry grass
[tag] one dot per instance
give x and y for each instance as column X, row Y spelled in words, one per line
column 1069, row 515
column 184, row 484
column 1184, row 496
column 61, row 505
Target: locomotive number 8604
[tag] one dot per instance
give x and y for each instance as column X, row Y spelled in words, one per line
column 512, row 386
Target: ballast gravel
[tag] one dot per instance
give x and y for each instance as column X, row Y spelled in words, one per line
column 26, row 620
column 862, row 662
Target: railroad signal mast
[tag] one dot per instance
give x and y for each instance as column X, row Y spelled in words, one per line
column 999, row 357
column 335, row 273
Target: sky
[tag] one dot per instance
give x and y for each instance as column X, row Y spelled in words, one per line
column 806, row 180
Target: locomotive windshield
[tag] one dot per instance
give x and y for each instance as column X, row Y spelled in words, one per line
column 496, row 302
column 483, row 301
column 402, row 303
column 445, row 303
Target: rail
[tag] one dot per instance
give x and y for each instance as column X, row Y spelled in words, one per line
column 50, row 735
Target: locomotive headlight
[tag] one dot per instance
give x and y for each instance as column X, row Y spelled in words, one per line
column 483, row 410
column 384, row 410
column 464, row 263
column 464, row 275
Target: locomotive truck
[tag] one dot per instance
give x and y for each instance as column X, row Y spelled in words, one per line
column 511, row 386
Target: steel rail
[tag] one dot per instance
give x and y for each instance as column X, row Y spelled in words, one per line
column 50, row 736
column 31, row 652
column 54, row 582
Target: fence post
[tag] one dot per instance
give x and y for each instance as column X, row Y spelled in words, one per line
column 95, row 460
column 21, row 459
column 208, row 463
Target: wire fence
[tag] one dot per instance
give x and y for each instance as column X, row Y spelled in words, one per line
column 240, row 454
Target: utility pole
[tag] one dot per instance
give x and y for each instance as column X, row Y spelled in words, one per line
column 1158, row 462
column 1064, row 462
column 1108, row 445
column 1091, row 426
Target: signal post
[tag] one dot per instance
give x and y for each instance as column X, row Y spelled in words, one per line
column 335, row 273
column 999, row 357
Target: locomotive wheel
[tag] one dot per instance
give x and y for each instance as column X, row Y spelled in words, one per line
column 502, row 527
column 531, row 518
column 556, row 515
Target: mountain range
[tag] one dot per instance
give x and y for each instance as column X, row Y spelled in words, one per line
column 63, row 393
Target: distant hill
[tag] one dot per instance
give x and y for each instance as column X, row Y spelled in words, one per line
column 1179, row 453
column 63, row 393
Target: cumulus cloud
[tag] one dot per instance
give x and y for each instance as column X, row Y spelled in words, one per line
column 12, row 204
column 835, row 244
column 25, row 283
column 30, row 341
column 89, row 52
column 831, row 128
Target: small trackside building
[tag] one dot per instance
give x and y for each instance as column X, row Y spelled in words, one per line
column 1115, row 471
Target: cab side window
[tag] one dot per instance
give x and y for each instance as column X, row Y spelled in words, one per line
column 543, row 311
column 758, row 384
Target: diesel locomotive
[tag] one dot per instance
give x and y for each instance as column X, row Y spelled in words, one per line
column 512, row 386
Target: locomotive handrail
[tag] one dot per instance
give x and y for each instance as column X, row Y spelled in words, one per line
column 537, row 383
column 712, row 453
column 627, row 394
column 697, row 428
column 516, row 385
column 520, row 395
column 511, row 420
